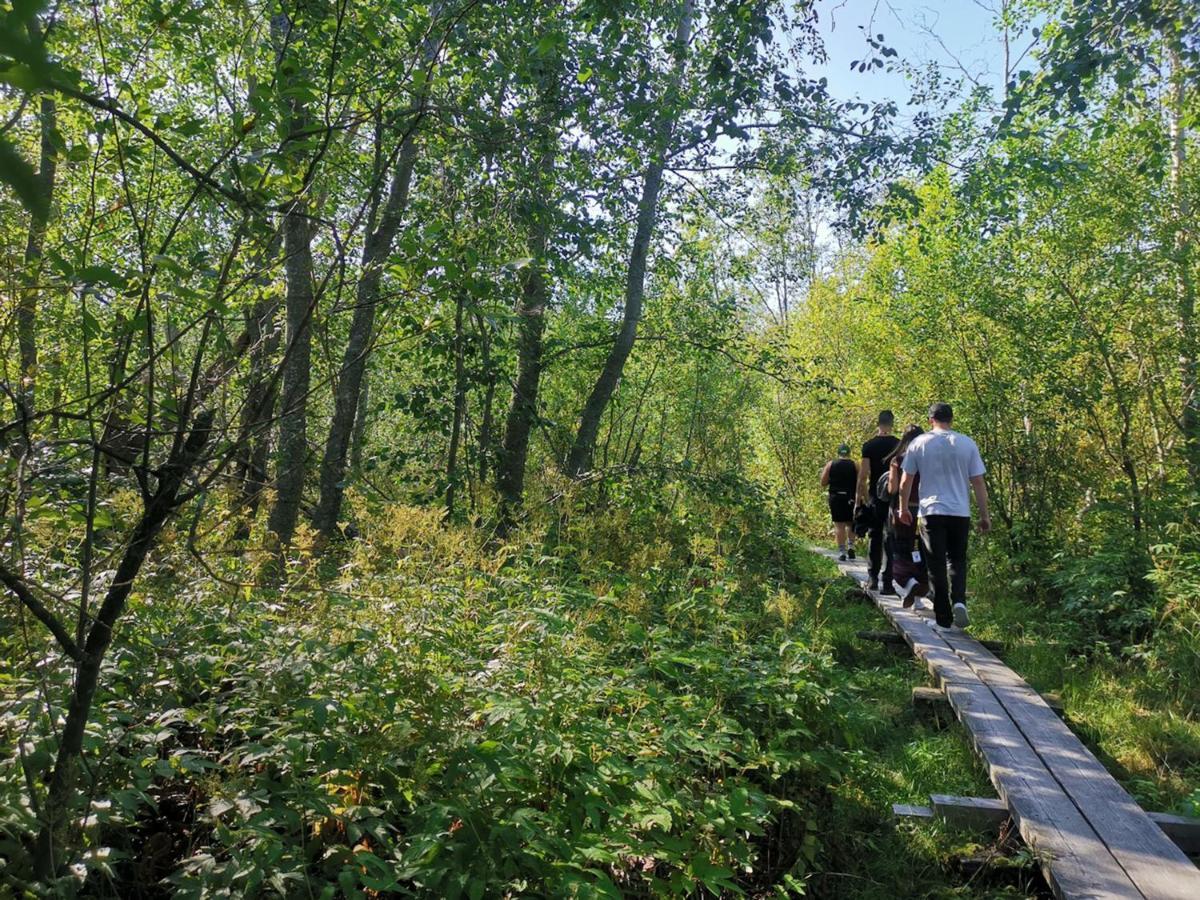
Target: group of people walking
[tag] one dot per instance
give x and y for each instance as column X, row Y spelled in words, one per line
column 910, row 495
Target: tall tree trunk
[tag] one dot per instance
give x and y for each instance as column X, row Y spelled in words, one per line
column 489, row 397
column 460, row 408
column 293, row 413
column 251, row 470
column 34, row 244
column 1185, row 288
column 531, row 322
column 376, row 249
column 579, row 460
column 299, row 306
column 359, row 437
column 537, row 214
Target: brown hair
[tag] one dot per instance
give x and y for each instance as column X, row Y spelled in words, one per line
column 911, row 433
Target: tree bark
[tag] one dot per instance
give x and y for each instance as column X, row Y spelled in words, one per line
column 57, row 809
column 531, row 322
column 579, row 460
column 460, row 409
column 1185, row 288
column 299, row 306
column 34, row 245
column 376, row 249
column 251, row 471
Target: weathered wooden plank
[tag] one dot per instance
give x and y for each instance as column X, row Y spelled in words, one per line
column 978, row 813
column 928, row 696
column 1093, row 841
column 987, row 813
column 929, row 647
column 931, row 696
column 881, row 637
column 1074, row 859
column 1157, row 867
column 1184, row 831
column 909, row 811
column 1152, row 860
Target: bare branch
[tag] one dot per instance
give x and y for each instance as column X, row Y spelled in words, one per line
column 21, row 589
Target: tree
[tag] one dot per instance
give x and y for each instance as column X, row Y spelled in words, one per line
column 580, row 458
column 383, row 223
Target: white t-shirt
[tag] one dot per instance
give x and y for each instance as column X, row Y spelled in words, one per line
column 945, row 460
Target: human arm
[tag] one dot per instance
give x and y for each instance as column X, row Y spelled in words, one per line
column 864, row 467
column 894, row 476
column 981, row 500
column 906, row 483
column 975, row 477
column 825, row 474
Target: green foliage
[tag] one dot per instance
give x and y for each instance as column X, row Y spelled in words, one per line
column 440, row 718
column 645, row 685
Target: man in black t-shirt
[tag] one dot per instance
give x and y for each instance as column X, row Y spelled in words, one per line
column 874, row 452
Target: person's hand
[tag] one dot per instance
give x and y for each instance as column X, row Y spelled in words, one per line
column 985, row 523
column 904, row 514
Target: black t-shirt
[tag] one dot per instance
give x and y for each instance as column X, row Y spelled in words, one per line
column 876, row 450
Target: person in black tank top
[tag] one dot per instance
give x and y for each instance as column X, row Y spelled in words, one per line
column 840, row 476
column 875, row 452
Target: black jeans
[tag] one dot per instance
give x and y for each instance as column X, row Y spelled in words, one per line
column 881, row 547
column 946, row 539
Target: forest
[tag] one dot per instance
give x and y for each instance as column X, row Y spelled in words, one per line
column 411, row 417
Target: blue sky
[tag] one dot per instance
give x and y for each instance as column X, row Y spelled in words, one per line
column 958, row 35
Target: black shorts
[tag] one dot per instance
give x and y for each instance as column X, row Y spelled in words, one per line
column 841, row 508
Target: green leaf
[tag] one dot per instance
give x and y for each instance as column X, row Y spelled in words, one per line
column 20, row 176
column 101, row 275
column 22, row 77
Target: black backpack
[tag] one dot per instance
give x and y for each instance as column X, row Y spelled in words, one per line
column 881, row 489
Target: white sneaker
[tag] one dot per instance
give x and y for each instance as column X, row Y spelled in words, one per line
column 960, row 615
column 944, row 629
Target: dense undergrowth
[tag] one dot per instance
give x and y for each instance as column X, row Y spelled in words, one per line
column 665, row 699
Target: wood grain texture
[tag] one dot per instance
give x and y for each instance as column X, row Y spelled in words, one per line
column 1092, row 838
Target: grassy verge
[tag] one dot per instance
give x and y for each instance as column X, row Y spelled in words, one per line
column 1116, row 704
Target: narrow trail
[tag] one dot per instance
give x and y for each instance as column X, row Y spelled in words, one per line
column 1091, row 837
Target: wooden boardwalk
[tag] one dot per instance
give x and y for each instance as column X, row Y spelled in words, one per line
column 1091, row 837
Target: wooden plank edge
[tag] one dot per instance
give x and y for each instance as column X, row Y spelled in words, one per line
column 986, row 812
column 929, row 696
column 1184, row 831
column 911, row 811
column 976, row 813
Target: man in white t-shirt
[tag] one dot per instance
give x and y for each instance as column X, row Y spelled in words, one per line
column 950, row 468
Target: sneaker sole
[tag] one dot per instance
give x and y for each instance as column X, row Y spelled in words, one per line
column 960, row 616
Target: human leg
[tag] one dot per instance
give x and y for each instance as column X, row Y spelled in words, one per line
column 958, row 532
column 933, row 534
column 885, row 574
column 876, row 548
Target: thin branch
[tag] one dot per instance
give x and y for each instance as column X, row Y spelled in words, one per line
column 43, row 614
